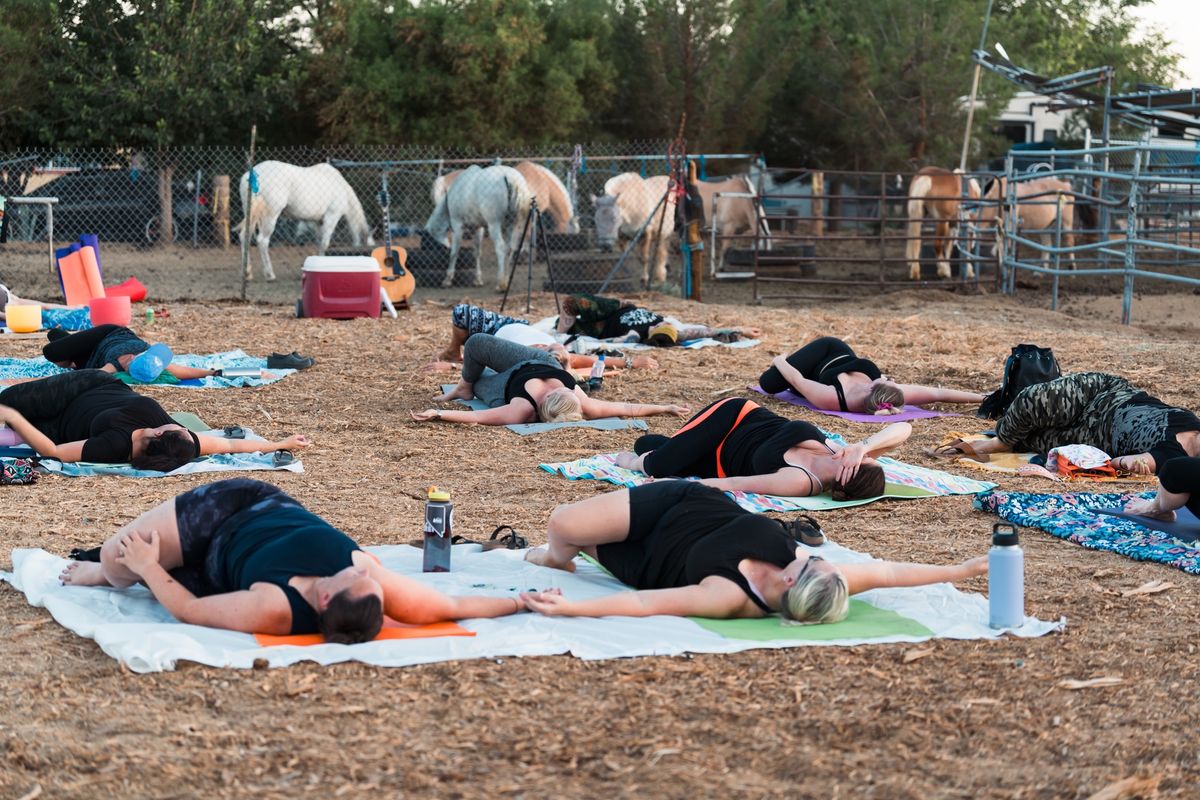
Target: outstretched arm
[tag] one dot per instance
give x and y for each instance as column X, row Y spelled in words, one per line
column 917, row 395
column 818, row 394
column 186, row 373
column 713, row 597
column 888, row 574
column 219, row 444
column 514, row 413
column 40, row 442
column 597, row 409
column 407, row 600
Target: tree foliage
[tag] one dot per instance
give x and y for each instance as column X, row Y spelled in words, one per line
column 869, row 84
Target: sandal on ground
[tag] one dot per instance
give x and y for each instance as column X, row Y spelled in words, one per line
column 509, row 541
column 805, row 530
column 959, row 448
column 455, row 539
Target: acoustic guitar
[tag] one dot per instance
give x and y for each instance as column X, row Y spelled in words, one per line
column 397, row 282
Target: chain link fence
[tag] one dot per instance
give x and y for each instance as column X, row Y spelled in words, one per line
column 187, row 205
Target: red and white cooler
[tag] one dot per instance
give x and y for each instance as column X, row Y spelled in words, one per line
column 339, row 287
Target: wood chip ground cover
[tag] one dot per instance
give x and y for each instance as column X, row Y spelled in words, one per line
column 966, row 719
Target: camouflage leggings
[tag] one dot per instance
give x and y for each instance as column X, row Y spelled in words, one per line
column 1074, row 409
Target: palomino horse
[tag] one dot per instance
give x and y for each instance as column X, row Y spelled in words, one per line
column 730, row 216
column 937, row 193
column 316, row 193
column 626, row 205
column 496, row 198
column 552, row 196
column 1040, row 204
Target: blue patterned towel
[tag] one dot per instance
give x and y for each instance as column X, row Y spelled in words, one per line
column 1076, row 517
column 39, row 367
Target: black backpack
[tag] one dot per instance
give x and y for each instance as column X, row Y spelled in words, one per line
column 1027, row 366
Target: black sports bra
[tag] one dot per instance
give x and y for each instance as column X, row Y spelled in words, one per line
column 839, row 365
column 516, row 382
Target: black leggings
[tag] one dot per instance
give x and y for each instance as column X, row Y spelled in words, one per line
column 43, row 401
column 693, row 449
column 1182, row 476
column 808, row 360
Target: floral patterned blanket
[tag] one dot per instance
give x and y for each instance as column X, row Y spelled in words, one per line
column 1074, row 517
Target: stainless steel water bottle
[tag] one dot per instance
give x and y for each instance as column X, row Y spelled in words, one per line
column 1006, row 578
column 439, row 521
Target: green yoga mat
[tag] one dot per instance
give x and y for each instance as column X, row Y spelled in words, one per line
column 824, row 502
column 864, row 622
column 190, row 421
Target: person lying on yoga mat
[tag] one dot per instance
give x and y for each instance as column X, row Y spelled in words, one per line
column 90, row 415
column 693, row 551
column 613, row 318
column 242, row 555
column 1178, row 486
column 467, row 320
column 524, row 384
column 735, row 444
column 828, row 374
column 7, row 296
column 1139, row 432
column 107, row 347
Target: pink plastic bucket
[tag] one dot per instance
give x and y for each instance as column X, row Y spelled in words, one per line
column 110, row 310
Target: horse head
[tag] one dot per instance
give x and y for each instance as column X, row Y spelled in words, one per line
column 607, row 219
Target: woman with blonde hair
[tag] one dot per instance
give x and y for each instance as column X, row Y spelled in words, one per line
column 524, row 384
column 828, row 374
column 690, row 550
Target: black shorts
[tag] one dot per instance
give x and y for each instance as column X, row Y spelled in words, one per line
column 647, row 505
column 201, row 512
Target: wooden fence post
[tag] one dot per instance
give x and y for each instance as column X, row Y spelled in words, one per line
column 220, row 208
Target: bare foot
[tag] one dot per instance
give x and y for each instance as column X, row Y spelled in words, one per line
column 450, row 354
column 1148, row 508
column 541, row 557
column 462, row 391
column 627, row 459
column 83, row 573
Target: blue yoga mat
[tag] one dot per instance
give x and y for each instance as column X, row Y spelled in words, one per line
column 1185, row 528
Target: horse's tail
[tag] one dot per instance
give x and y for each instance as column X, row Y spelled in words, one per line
column 358, row 217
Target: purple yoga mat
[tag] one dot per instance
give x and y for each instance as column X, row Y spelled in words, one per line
column 909, row 413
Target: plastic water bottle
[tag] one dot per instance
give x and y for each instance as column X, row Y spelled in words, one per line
column 597, row 377
column 439, row 522
column 1006, row 578
column 150, row 364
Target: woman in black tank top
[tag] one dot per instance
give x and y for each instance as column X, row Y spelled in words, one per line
column 735, row 444
column 242, row 555
column 524, row 384
column 828, row 374
column 692, row 551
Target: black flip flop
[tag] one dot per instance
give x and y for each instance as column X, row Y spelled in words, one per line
column 509, row 541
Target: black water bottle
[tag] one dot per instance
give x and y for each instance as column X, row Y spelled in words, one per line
column 439, row 519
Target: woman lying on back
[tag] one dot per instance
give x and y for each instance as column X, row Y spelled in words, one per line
column 525, row 384
column 241, row 555
column 692, row 551
column 735, row 444
column 828, row 374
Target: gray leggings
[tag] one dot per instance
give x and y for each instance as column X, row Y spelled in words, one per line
column 489, row 362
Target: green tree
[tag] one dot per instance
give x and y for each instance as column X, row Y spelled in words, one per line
column 149, row 75
column 475, row 74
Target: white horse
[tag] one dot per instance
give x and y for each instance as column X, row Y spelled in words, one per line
column 496, row 198
column 309, row 194
column 627, row 203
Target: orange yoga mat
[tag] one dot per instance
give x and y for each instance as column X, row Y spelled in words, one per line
column 80, row 275
column 391, row 630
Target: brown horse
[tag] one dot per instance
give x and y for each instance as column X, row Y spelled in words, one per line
column 937, row 193
column 731, row 215
column 1040, row 204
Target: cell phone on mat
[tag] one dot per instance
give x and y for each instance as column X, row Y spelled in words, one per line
column 283, row 458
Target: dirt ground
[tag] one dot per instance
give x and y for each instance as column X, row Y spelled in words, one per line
column 969, row 719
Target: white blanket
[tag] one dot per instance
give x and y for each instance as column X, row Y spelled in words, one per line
column 132, row 627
